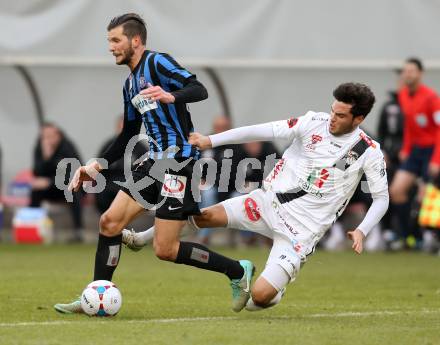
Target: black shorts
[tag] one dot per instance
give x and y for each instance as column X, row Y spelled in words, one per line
column 418, row 162
column 168, row 191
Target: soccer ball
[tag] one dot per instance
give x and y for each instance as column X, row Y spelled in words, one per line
column 101, row 298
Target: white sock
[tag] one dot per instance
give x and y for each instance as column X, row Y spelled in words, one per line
column 251, row 306
column 145, row 237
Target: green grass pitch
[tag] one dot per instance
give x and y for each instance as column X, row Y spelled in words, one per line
column 338, row 298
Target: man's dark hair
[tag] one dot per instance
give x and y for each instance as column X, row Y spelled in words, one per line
column 132, row 25
column 358, row 95
column 415, row 61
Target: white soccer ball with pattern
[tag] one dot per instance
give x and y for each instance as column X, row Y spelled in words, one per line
column 101, row 298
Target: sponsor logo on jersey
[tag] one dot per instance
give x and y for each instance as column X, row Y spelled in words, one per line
column 336, row 145
column 291, row 122
column 252, row 210
column 276, row 170
column 319, row 118
column 285, row 222
column 315, row 181
column 315, row 139
column 317, row 178
column 310, row 188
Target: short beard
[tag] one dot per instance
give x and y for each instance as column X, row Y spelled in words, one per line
column 128, row 54
column 346, row 130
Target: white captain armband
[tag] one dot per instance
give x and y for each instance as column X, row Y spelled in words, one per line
column 143, row 104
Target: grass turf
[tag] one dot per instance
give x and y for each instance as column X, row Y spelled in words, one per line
column 339, row 298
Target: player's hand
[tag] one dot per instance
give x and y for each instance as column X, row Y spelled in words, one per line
column 156, row 93
column 402, row 156
column 434, row 170
column 40, row 183
column 84, row 173
column 202, row 142
column 357, row 237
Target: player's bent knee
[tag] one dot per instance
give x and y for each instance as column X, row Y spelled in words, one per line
column 395, row 190
column 164, row 252
column 213, row 216
column 262, row 296
column 108, row 226
column 205, row 218
column 397, row 194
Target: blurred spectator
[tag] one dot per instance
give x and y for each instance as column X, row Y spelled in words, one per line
column 419, row 104
column 115, row 171
column 390, row 129
column 1, row 192
column 390, row 135
column 52, row 146
column 261, row 151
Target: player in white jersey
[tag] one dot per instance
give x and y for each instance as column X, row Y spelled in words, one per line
column 308, row 188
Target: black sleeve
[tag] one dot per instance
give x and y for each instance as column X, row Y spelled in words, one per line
column 186, row 88
column 192, row 91
column 117, row 148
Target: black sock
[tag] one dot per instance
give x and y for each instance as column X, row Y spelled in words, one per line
column 107, row 256
column 403, row 213
column 194, row 254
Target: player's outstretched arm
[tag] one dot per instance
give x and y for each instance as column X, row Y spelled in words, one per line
column 357, row 237
column 84, row 173
column 241, row 135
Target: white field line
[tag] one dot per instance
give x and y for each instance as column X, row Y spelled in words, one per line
column 146, row 321
column 223, row 318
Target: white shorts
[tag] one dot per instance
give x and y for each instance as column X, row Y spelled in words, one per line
column 260, row 212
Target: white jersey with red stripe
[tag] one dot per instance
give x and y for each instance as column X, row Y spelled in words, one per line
column 319, row 172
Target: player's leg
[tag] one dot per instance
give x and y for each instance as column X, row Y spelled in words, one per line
column 122, row 211
column 175, row 203
column 402, row 182
column 210, row 217
column 282, row 267
column 265, row 295
column 400, row 186
column 228, row 214
column 167, row 246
